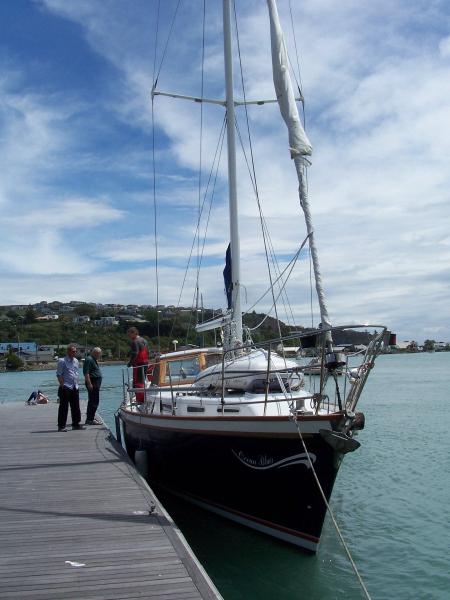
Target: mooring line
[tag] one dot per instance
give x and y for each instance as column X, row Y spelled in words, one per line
column 343, row 542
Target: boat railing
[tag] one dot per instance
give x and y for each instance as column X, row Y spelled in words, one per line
column 337, row 386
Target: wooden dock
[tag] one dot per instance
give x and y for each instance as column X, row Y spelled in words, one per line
column 77, row 520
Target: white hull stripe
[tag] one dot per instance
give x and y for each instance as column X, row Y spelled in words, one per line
column 263, row 426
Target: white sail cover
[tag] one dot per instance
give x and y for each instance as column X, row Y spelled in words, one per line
column 298, row 140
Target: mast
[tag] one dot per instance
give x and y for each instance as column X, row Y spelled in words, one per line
column 232, row 187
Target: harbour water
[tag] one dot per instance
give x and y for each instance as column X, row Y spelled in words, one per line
column 391, row 498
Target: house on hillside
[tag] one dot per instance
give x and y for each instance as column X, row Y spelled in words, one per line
column 106, row 321
column 81, row 319
column 409, row 346
column 66, row 308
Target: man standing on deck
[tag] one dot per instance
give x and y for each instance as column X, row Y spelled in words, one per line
column 93, row 380
column 67, row 374
column 138, row 360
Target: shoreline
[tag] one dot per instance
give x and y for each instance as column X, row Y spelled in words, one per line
column 108, row 363
column 52, row 366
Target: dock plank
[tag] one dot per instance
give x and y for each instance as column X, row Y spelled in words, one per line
column 77, row 519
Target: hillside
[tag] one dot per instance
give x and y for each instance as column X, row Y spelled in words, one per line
column 165, row 324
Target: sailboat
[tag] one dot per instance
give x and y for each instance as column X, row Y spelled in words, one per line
column 239, row 429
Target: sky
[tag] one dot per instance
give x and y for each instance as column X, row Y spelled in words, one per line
column 86, row 157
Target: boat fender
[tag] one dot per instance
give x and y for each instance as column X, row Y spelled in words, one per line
column 118, row 432
column 339, row 441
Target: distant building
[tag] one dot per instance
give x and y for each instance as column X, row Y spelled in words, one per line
column 132, row 309
column 43, row 310
column 130, row 319
column 65, row 308
column 41, row 304
column 51, row 317
column 81, row 319
column 55, row 305
column 114, row 307
column 21, row 348
column 410, row 346
column 106, row 321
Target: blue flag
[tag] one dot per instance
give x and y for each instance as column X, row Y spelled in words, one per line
column 227, row 277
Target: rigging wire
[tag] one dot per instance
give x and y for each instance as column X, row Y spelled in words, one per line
column 299, row 82
column 169, row 35
column 154, row 184
column 155, row 81
column 220, row 144
column 291, row 264
column 300, row 88
column 311, row 297
column 253, row 165
column 216, row 163
column 219, row 150
column 266, row 230
column 200, row 157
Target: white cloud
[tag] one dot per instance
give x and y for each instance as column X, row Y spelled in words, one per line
column 376, row 81
column 444, row 47
column 71, row 213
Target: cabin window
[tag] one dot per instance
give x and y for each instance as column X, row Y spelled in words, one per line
column 178, row 370
column 213, row 359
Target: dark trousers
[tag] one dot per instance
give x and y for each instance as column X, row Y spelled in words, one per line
column 93, row 398
column 68, row 396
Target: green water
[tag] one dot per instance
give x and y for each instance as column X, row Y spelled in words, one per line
column 391, row 498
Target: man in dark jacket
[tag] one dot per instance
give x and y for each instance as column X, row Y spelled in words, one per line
column 93, row 380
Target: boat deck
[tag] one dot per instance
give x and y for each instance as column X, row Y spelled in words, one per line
column 78, row 521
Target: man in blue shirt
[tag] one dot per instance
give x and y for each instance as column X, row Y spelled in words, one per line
column 67, row 374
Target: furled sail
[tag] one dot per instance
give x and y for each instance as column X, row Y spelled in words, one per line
column 298, row 142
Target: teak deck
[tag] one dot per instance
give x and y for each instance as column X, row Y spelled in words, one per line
column 75, row 518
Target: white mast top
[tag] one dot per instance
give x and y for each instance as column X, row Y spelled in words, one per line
column 231, row 144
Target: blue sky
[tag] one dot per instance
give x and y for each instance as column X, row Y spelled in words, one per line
column 76, row 192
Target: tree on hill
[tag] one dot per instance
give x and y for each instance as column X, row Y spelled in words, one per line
column 428, row 345
column 13, row 362
column 30, row 315
column 85, row 309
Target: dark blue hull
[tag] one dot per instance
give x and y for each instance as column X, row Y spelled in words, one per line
column 263, row 482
